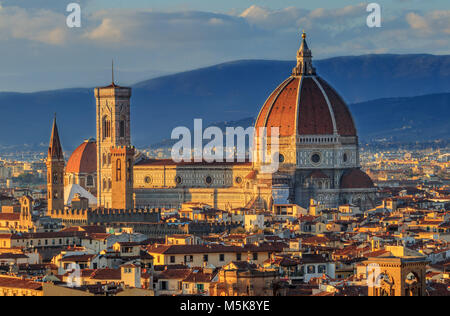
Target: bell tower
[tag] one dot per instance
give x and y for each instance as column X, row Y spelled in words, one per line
column 113, row 130
column 55, row 171
column 122, row 178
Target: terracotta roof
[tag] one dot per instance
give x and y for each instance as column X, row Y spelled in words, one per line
column 282, row 112
column 160, row 268
column 9, row 216
column 313, row 258
column 97, row 236
column 182, row 249
column 83, row 159
column 356, row 179
column 48, row 235
column 283, row 261
column 174, row 274
column 77, row 258
column 107, row 274
column 87, row 229
column 199, row 276
column 244, row 265
column 308, row 110
column 314, row 115
column 129, row 244
column 19, row 284
column 12, row 256
column 342, row 115
column 252, row 175
column 315, row 240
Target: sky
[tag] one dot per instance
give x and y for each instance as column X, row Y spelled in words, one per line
column 148, row 38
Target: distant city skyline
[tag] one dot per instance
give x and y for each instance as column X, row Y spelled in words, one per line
column 154, row 37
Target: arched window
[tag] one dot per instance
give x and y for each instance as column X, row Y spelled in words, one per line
column 109, row 184
column 55, row 177
column 322, row 269
column 129, row 171
column 118, row 170
column 106, row 126
column 104, row 160
column 90, row 181
column 109, row 159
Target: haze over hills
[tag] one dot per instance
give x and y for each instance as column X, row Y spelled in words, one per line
column 397, row 120
column 237, row 90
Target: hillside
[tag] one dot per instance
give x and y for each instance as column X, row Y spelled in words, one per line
column 237, row 90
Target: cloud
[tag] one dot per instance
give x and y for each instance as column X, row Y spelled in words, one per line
column 106, row 31
column 43, row 26
column 430, row 23
column 416, row 22
column 273, row 19
column 151, row 28
column 54, row 5
column 169, row 41
column 340, row 31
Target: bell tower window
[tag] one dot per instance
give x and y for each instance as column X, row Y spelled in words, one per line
column 118, row 170
column 129, row 170
column 122, row 128
column 106, row 126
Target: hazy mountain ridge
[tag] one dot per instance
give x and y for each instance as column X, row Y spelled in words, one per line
column 237, row 90
column 395, row 120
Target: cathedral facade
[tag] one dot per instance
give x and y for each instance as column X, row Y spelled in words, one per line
column 318, row 155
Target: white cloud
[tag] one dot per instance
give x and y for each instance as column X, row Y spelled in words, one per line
column 287, row 18
column 431, row 23
column 43, row 26
column 148, row 27
column 106, row 31
column 181, row 40
column 416, row 21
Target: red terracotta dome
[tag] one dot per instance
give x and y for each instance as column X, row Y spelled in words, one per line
column 356, row 179
column 83, row 159
column 305, row 104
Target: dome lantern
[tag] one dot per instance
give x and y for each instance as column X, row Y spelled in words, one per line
column 304, row 60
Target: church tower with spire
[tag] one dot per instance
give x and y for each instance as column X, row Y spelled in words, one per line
column 113, row 131
column 55, row 171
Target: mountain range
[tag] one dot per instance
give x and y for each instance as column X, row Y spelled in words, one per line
column 400, row 97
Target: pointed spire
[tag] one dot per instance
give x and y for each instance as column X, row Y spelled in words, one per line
column 55, row 148
column 304, row 60
column 112, row 72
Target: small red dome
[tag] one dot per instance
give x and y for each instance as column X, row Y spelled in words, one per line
column 83, row 159
column 356, row 179
column 306, row 105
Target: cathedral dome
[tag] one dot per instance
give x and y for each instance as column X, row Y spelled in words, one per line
column 305, row 104
column 83, row 159
column 356, row 179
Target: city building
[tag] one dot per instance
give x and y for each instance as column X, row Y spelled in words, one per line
column 318, row 155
